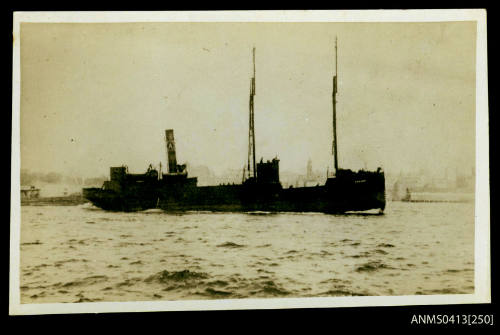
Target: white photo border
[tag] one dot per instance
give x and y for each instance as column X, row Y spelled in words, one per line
column 482, row 271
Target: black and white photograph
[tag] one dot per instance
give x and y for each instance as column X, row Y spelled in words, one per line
column 237, row 160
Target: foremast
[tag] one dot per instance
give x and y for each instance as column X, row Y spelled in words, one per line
column 334, row 106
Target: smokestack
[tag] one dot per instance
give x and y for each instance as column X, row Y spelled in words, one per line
column 170, row 142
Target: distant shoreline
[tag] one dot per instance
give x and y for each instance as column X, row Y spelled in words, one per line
column 449, row 197
column 435, row 201
column 58, row 201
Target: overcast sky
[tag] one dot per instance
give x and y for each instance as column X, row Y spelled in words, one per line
column 101, row 95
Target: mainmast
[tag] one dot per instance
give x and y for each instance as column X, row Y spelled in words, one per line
column 334, row 103
column 251, row 130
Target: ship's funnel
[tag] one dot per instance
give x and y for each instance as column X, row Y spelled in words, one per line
column 170, row 142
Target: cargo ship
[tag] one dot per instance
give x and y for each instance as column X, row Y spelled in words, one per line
column 261, row 190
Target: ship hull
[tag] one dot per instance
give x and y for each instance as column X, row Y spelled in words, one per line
column 113, row 201
column 336, row 196
column 238, row 198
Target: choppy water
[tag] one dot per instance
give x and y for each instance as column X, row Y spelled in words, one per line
column 80, row 254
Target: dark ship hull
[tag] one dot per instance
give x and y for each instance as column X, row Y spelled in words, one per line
column 315, row 199
column 352, row 192
column 349, row 191
column 112, row 201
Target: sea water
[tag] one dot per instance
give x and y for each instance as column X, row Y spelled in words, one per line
column 83, row 254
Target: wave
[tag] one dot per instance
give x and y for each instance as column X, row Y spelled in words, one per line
column 458, row 270
column 218, row 283
column 441, row 291
column 372, row 266
column 342, row 293
column 128, row 282
column 83, row 299
column 363, row 254
column 369, row 253
column 217, row 293
column 37, row 242
column 72, row 260
column 385, row 245
column 337, row 282
column 269, row 287
column 177, row 276
column 230, row 245
column 85, row 281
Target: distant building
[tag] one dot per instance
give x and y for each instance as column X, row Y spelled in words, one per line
column 29, row 192
column 309, row 175
column 311, row 178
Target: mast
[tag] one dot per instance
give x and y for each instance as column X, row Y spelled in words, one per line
column 334, row 103
column 251, row 130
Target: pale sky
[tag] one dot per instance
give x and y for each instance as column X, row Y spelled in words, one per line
column 101, row 95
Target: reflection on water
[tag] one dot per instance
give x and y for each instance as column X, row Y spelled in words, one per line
column 81, row 253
